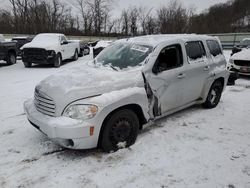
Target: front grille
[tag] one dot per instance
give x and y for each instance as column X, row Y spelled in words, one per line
column 36, row 53
column 44, row 103
column 242, row 63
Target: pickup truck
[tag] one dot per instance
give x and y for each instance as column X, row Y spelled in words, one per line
column 130, row 84
column 8, row 51
column 49, row 48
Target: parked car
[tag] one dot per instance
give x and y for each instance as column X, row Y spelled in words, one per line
column 240, row 62
column 49, row 48
column 84, row 48
column 8, row 51
column 96, row 47
column 245, row 43
column 100, row 46
column 129, row 84
column 20, row 42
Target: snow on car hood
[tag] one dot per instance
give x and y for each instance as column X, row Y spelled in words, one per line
column 47, row 45
column 85, row 81
column 242, row 55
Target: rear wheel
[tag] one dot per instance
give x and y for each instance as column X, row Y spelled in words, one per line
column 120, row 130
column 58, row 61
column 11, row 58
column 214, row 95
column 27, row 64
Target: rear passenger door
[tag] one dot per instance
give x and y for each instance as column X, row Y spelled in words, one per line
column 196, row 70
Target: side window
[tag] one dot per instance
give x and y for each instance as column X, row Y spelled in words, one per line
column 63, row 39
column 169, row 58
column 195, row 50
column 214, row 47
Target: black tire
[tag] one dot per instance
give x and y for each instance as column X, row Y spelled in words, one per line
column 58, row 61
column 11, row 58
column 121, row 127
column 76, row 56
column 214, row 95
column 27, row 64
column 81, row 53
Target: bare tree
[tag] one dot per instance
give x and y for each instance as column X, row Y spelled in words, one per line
column 125, row 22
column 144, row 15
column 173, row 19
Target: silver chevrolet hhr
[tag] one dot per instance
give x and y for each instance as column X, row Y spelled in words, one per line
column 129, row 84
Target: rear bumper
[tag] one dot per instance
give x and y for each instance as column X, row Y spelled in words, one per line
column 69, row 133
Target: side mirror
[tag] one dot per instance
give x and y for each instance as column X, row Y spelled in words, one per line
column 64, row 42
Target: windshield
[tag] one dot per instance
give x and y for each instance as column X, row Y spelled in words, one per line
column 245, row 42
column 46, row 38
column 124, row 55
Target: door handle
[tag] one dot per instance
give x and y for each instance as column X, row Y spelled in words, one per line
column 206, row 68
column 181, row 75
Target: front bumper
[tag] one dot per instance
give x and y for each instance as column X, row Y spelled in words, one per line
column 69, row 133
column 2, row 56
column 238, row 69
column 39, row 60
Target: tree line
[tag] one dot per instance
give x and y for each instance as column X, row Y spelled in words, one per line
column 94, row 17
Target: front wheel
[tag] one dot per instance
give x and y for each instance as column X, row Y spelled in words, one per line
column 120, row 130
column 58, row 61
column 214, row 95
column 11, row 58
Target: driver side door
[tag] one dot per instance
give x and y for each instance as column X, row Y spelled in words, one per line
column 64, row 48
column 164, row 84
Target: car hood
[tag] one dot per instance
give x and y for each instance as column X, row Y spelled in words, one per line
column 242, row 55
column 86, row 81
column 44, row 45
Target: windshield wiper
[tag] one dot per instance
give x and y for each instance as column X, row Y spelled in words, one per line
column 112, row 67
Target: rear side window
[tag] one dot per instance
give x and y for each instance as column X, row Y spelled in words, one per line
column 214, row 47
column 195, row 50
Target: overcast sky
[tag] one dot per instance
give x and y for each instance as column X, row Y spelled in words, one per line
column 200, row 5
column 119, row 5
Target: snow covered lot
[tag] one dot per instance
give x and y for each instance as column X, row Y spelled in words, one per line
column 192, row 148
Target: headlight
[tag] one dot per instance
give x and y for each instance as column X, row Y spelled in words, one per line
column 231, row 61
column 81, row 111
column 51, row 53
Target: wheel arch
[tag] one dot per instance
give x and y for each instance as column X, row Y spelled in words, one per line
column 12, row 51
column 208, row 86
column 221, row 79
column 137, row 109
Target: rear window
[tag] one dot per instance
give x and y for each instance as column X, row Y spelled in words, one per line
column 214, row 47
column 195, row 50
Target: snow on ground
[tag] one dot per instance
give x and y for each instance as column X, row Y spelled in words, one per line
column 192, row 148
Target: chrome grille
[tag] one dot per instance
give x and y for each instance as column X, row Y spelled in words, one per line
column 44, row 103
column 242, row 63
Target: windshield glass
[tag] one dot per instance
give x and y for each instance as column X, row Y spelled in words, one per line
column 43, row 37
column 124, row 55
column 245, row 43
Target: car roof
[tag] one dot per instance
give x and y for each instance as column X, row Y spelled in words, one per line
column 155, row 40
column 52, row 34
column 20, row 37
